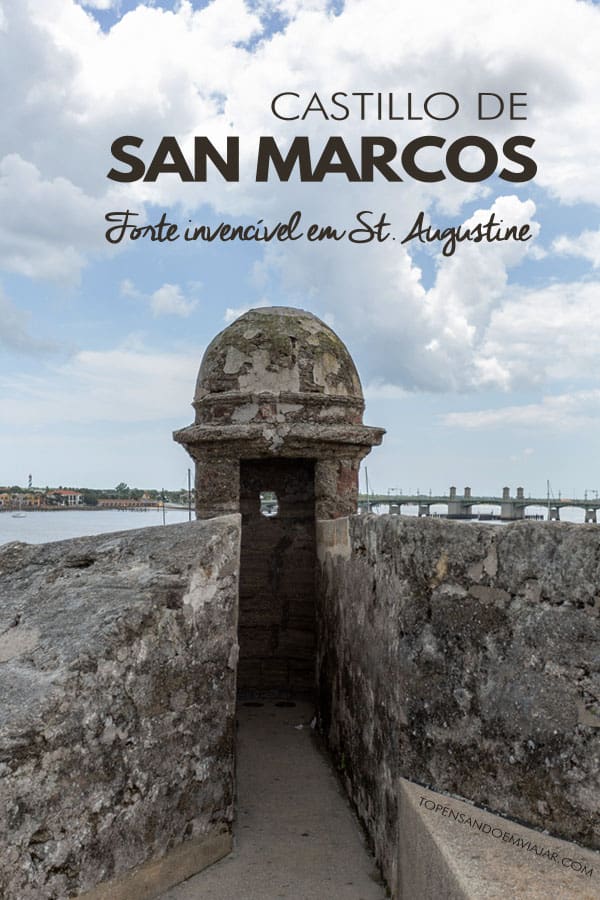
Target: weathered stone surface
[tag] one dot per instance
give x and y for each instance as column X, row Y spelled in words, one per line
column 277, row 580
column 117, row 677
column 278, row 382
column 278, row 364
column 466, row 657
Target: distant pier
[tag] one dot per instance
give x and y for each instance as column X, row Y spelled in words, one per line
column 460, row 506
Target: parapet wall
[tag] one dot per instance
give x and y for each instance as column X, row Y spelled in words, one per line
column 117, row 678
column 465, row 657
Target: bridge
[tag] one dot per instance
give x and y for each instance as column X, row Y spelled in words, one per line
column 512, row 508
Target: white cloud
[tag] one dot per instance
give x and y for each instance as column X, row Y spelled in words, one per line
column 124, row 384
column 405, row 335
column 69, row 89
column 548, row 334
column 99, row 4
column 189, row 71
column 292, row 8
column 377, row 390
column 128, row 289
column 558, row 412
column 48, row 226
column 167, row 300
column 470, row 286
column 585, row 245
column 233, row 313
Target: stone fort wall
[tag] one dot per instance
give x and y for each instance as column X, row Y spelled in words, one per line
column 117, row 679
column 467, row 658
column 459, row 656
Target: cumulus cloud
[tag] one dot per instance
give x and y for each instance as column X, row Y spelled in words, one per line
column 167, row 300
column 437, row 339
column 548, row 334
column 48, row 225
column 233, row 313
column 70, row 89
column 586, row 245
column 178, row 71
column 469, row 288
column 99, row 4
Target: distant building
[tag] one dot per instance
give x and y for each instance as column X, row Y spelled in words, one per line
column 122, row 503
column 68, row 498
column 19, row 500
column 33, row 499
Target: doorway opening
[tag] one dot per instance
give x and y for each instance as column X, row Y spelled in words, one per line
column 276, row 629
column 269, row 504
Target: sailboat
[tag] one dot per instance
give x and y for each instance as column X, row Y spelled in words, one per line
column 19, row 514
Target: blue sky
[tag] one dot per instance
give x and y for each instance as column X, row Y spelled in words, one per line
column 482, row 368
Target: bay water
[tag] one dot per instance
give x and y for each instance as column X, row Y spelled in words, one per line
column 38, row 527
column 54, row 525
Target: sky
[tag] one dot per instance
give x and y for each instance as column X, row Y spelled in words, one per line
column 482, row 366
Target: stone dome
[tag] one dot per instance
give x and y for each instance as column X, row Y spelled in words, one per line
column 277, row 364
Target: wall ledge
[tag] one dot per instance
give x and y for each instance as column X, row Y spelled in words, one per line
column 153, row 878
column 444, row 855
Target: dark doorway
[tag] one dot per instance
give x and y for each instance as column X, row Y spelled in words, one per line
column 277, row 578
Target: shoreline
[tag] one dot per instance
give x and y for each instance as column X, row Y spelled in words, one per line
column 35, row 509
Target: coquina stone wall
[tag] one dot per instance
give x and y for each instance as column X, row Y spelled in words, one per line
column 277, row 580
column 467, row 658
column 117, row 679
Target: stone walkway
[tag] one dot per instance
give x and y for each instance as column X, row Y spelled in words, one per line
column 295, row 835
